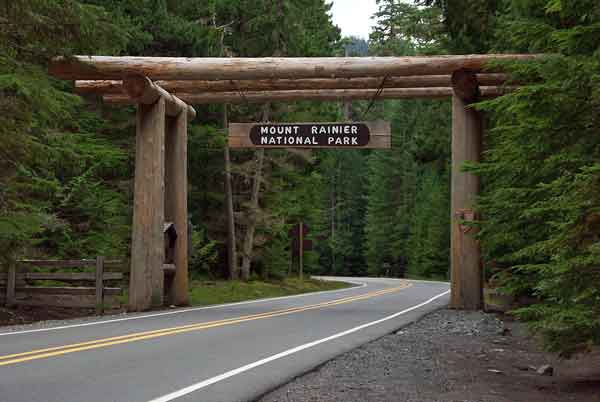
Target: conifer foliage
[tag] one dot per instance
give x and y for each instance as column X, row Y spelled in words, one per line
column 541, row 205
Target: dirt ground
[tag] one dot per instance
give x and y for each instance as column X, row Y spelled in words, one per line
column 448, row 356
column 27, row 315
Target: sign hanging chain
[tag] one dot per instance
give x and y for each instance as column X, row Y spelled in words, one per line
column 241, row 92
column 377, row 95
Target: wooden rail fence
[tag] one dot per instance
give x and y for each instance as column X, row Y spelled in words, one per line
column 20, row 287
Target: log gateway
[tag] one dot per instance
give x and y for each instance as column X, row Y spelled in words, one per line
column 161, row 86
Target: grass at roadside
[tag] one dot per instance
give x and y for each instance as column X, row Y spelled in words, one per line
column 206, row 292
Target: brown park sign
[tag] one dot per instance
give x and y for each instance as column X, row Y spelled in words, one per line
column 295, row 230
column 307, row 245
column 374, row 134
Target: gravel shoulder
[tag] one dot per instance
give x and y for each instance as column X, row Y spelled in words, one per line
column 448, row 356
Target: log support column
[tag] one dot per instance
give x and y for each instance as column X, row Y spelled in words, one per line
column 146, row 288
column 466, row 267
column 147, row 243
column 176, row 204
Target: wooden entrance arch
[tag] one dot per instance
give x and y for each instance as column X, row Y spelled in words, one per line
column 162, row 87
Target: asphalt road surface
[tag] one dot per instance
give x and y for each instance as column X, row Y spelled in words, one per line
column 234, row 352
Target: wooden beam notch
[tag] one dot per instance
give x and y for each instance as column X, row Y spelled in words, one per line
column 141, row 90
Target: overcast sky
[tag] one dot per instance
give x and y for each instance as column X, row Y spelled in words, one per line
column 354, row 16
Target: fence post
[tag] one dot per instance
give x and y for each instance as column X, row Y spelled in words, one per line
column 11, row 281
column 100, row 284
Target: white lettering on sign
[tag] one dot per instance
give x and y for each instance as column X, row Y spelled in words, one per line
column 342, row 141
column 311, row 134
column 334, row 130
column 279, row 130
column 289, row 141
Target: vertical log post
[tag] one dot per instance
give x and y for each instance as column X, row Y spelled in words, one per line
column 99, row 285
column 11, row 283
column 176, row 202
column 147, row 244
column 466, row 270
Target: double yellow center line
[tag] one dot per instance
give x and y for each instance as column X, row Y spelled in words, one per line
column 139, row 336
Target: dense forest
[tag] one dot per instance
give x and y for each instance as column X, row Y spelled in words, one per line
column 67, row 162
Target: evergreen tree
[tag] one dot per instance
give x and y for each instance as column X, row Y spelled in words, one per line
column 61, row 190
column 407, row 222
column 541, row 171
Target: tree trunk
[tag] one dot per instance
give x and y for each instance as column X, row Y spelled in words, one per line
column 232, row 258
column 249, row 238
column 231, row 239
column 333, row 215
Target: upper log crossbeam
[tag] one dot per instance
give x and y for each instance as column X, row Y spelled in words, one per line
column 139, row 89
column 178, row 68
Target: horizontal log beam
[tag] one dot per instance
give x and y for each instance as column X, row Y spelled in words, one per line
column 51, row 290
column 66, row 263
column 196, row 86
column 329, row 95
column 141, row 90
column 58, row 263
column 233, row 68
column 68, row 276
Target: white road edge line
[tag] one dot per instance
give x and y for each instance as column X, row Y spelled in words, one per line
column 224, row 376
column 187, row 310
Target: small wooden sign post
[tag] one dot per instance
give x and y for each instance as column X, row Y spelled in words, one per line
column 371, row 134
column 300, row 249
column 300, row 244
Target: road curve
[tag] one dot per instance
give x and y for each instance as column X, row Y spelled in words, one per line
column 233, row 352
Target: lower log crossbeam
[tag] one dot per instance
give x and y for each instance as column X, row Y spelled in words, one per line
column 316, row 94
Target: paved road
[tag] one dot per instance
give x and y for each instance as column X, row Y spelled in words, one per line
column 234, row 352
